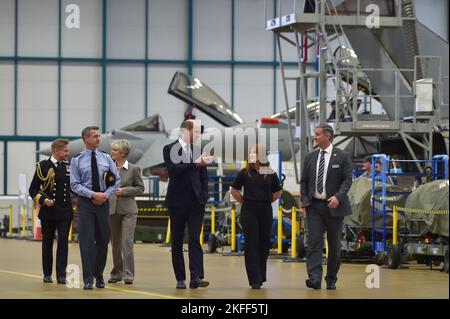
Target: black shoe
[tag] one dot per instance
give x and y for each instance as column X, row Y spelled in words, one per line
column 113, row 280
column 331, row 285
column 61, row 280
column 194, row 284
column 47, row 279
column 128, row 282
column 100, row 283
column 181, row 284
column 256, row 286
column 312, row 284
column 88, row 286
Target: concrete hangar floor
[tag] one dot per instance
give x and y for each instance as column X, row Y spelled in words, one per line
column 21, row 278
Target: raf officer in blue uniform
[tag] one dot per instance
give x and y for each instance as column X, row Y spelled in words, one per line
column 94, row 178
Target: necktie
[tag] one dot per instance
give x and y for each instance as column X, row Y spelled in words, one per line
column 188, row 152
column 94, row 171
column 319, row 185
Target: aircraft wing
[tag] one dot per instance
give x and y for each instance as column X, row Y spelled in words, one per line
column 153, row 156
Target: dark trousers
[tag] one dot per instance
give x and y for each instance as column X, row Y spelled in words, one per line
column 49, row 226
column 319, row 220
column 256, row 221
column 93, row 236
column 193, row 217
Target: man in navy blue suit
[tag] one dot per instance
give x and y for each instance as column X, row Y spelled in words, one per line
column 186, row 198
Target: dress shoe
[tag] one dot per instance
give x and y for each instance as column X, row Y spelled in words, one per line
column 47, row 279
column 113, row 280
column 331, row 285
column 181, row 284
column 88, row 286
column 128, row 282
column 194, row 284
column 312, row 284
column 99, row 283
column 61, row 280
column 256, row 286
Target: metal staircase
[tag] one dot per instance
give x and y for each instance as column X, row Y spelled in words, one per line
column 365, row 61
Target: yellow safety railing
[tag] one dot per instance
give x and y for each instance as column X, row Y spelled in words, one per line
column 395, row 226
column 71, row 232
column 33, row 225
column 294, row 233
column 233, row 228
column 201, row 236
column 280, row 230
column 168, row 234
column 396, row 209
column 213, row 220
column 24, row 222
column 152, row 209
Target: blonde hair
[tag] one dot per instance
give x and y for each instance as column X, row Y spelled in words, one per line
column 123, row 146
column 59, row 144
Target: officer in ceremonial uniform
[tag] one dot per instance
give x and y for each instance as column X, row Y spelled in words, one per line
column 94, row 178
column 50, row 188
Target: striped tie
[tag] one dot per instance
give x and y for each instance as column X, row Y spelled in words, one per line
column 319, row 185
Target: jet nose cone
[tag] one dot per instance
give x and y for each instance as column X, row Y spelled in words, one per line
column 46, row 151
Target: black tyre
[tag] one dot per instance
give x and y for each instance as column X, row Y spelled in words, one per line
column 381, row 258
column 394, row 256
column 421, row 259
column 211, row 243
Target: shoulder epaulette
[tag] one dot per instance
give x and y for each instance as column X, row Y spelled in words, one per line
column 39, row 163
column 79, row 154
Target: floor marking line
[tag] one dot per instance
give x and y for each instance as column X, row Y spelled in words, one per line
column 139, row 292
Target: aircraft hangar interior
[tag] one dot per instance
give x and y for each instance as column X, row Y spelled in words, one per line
column 224, row 149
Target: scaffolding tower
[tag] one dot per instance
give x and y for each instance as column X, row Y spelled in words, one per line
column 341, row 32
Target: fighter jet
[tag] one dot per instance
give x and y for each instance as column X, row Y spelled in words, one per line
column 148, row 136
column 272, row 132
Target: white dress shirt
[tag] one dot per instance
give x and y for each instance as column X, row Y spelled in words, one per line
column 327, row 156
column 54, row 161
column 186, row 150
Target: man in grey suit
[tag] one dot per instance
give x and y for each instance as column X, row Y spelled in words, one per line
column 123, row 213
column 326, row 179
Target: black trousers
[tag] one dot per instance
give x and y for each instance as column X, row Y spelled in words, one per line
column 93, row 236
column 193, row 217
column 319, row 220
column 256, row 221
column 49, row 227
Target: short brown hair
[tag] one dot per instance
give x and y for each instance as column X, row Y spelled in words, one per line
column 187, row 125
column 87, row 131
column 59, row 144
column 326, row 129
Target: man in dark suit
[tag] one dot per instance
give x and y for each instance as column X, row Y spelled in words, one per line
column 326, row 179
column 186, row 197
column 50, row 188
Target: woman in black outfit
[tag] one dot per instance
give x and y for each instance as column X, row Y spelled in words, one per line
column 261, row 188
